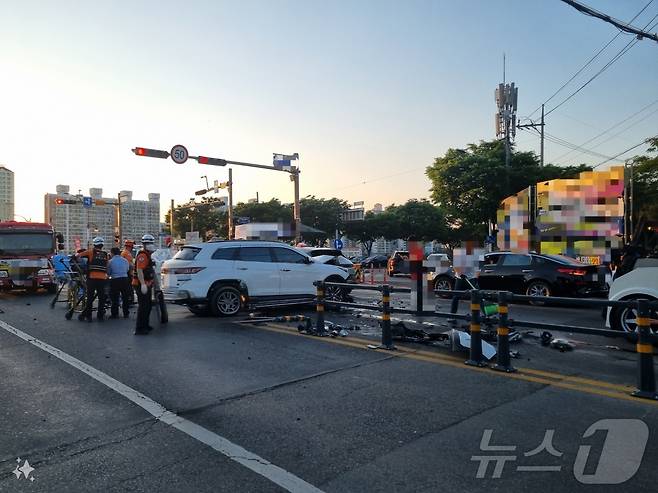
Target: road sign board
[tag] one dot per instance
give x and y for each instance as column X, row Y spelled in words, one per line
column 338, row 244
column 179, row 154
column 86, row 201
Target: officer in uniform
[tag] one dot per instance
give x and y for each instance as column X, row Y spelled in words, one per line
column 97, row 260
column 144, row 282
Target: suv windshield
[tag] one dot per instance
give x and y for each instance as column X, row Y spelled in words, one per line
column 16, row 244
column 187, row 253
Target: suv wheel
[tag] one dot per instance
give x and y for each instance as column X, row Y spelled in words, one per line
column 334, row 293
column 539, row 289
column 225, row 301
column 626, row 319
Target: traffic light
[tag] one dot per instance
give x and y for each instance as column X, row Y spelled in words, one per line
column 143, row 151
column 211, row 161
column 65, row 201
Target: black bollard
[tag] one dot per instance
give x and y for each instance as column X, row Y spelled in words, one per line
column 319, row 308
column 502, row 357
column 387, row 334
column 476, row 358
column 646, row 377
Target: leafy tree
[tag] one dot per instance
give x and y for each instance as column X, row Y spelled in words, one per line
column 367, row 231
column 204, row 216
column 470, row 183
column 271, row 211
column 418, row 219
column 322, row 214
column 645, row 184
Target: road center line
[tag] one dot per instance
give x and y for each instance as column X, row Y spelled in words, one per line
column 251, row 461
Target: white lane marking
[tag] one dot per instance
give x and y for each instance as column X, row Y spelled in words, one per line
column 261, row 466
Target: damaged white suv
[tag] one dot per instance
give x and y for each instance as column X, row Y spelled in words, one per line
column 224, row 276
column 639, row 283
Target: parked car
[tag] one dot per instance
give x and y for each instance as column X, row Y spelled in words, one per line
column 331, row 256
column 639, row 283
column 374, row 262
column 541, row 275
column 442, row 274
column 223, row 277
column 398, row 263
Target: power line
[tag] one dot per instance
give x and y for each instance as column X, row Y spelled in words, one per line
column 571, row 145
column 623, row 26
column 621, row 53
column 588, row 63
column 611, row 128
column 621, row 153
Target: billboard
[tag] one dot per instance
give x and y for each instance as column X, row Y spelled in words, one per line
column 578, row 217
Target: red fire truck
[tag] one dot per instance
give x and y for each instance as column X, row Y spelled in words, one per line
column 25, row 252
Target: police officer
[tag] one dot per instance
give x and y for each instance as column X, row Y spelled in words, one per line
column 97, row 260
column 144, row 281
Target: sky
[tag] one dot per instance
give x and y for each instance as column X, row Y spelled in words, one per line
column 367, row 92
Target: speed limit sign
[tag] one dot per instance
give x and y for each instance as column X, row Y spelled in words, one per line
column 179, row 154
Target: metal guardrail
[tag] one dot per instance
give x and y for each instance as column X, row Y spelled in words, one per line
column 643, row 337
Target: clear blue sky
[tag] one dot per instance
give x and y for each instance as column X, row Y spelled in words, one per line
column 360, row 89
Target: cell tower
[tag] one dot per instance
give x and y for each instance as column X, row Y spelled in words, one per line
column 506, row 100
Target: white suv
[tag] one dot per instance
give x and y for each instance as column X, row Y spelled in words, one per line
column 222, row 277
column 640, row 283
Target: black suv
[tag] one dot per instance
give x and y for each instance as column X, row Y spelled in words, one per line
column 541, row 275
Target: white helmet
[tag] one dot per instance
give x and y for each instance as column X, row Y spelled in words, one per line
column 148, row 239
column 98, row 241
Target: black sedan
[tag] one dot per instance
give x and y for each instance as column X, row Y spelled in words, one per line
column 374, row 262
column 541, row 275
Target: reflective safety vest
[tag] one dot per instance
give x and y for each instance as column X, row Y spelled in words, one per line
column 144, row 261
column 98, row 261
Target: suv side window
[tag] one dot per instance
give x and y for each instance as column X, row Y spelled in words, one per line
column 225, row 254
column 254, row 254
column 287, row 256
column 514, row 260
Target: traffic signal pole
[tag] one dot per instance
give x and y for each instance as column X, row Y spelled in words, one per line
column 231, row 234
column 179, row 156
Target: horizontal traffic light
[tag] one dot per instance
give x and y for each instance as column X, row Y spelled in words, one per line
column 143, row 151
column 211, row 161
column 65, row 201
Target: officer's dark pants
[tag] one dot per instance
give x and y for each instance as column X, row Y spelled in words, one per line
column 120, row 287
column 143, row 308
column 95, row 287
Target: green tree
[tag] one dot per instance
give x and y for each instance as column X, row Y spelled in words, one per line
column 271, row 211
column 322, row 214
column 470, row 183
column 417, row 219
column 367, row 231
column 205, row 217
column 645, row 184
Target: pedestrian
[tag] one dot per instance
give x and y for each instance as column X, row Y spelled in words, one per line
column 127, row 253
column 145, row 280
column 118, row 269
column 97, row 260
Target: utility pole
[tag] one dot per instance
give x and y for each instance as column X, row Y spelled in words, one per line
column 171, row 221
column 542, row 135
column 534, row 126
column 230, row 203
column 296, row 212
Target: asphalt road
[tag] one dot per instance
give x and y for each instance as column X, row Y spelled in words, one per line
column 205, row 404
